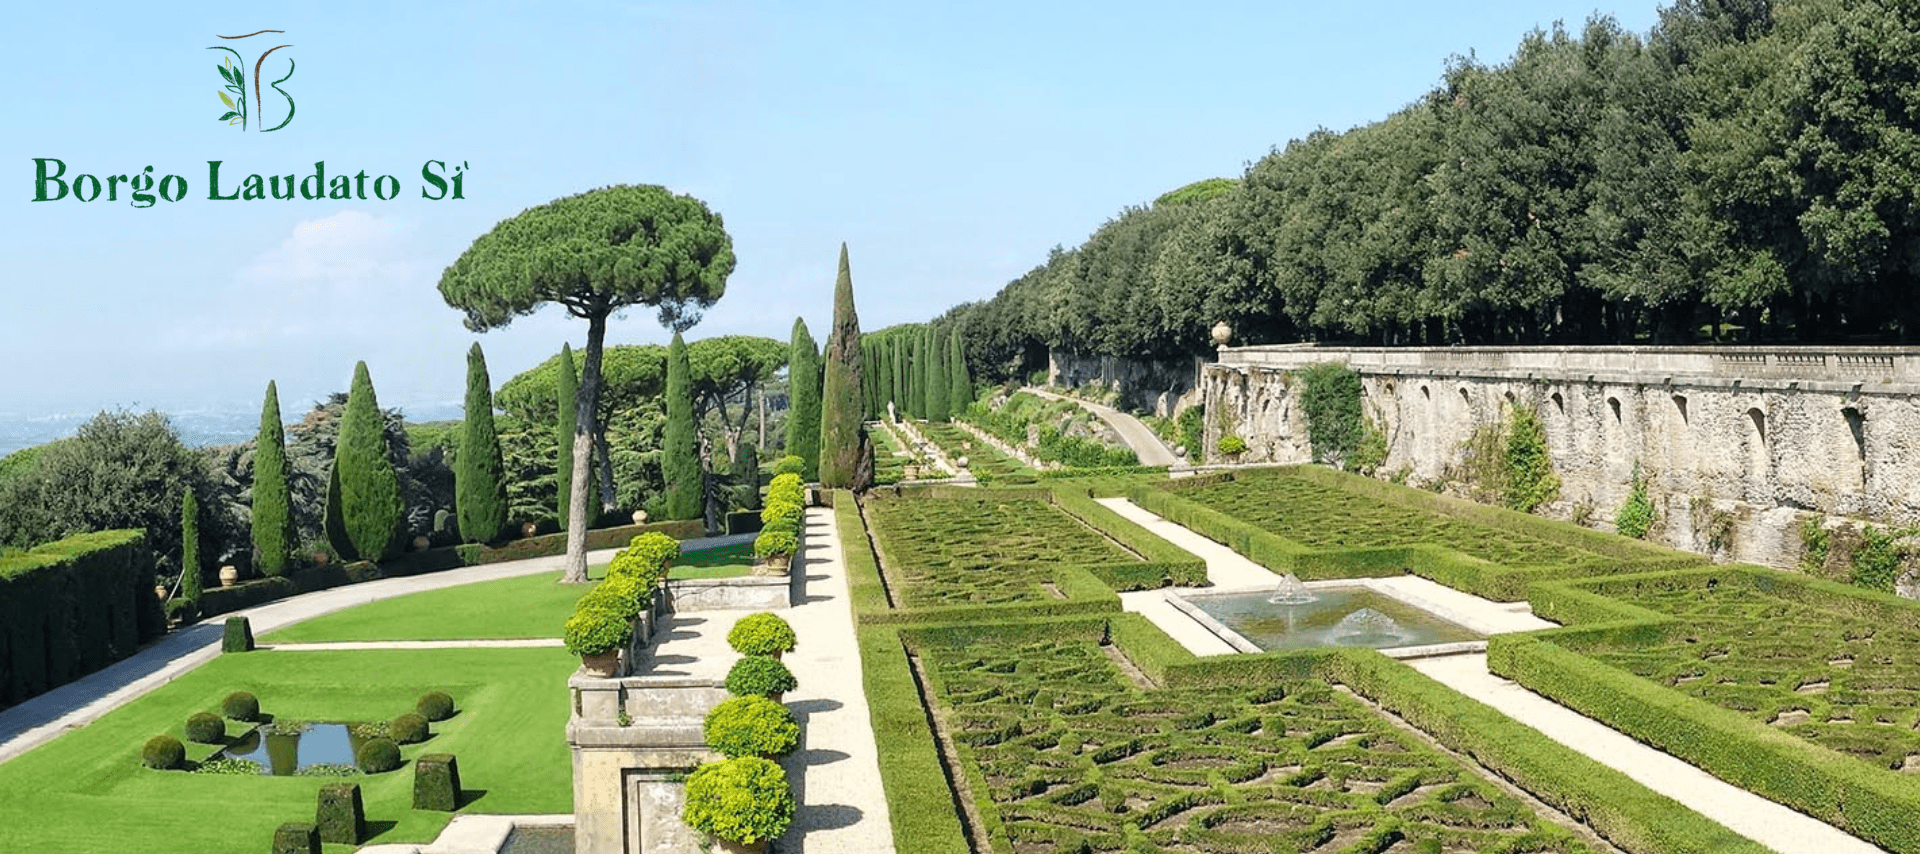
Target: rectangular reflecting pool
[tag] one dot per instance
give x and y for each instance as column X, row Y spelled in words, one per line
column 285, row 754
column 1336, row 616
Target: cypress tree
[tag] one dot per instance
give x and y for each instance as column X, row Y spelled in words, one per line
column 746, row 473
column 273, row 533
column 959, row 384
column 368, row 501
column 897, row 366
column 916, row 375
column 189, row 546
column 681, row 453
column 846, row 453
column 479, row 468
column 568, row 384
column 803, row 400
column 937, row 397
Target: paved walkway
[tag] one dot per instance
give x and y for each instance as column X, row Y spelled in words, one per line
column 1771, row 824
column 1144, row 442
column 83, row 701
column 836, row 771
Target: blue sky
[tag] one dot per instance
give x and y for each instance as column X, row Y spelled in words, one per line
column 949, row 145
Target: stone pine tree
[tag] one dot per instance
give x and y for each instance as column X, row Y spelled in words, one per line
column 959, row 383
column 189, row 546
column 680, row 454
column 273, row 532
column 803, row 396
column 367, row 506
column 595, row 254
column 846, row 453
column 479, row 467
column 937, row 399
column 567, row 386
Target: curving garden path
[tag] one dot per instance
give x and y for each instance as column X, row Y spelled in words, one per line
column 76, row 704
column 1144, row 442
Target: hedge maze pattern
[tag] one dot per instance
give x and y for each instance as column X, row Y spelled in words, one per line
column 1322, row 516
column 1827, row 675
column 1072, row 758
column 964, row 551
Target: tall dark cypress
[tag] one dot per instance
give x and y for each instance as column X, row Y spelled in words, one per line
column 846, row 452
column 959, row 382
column 273, row 532
column 567, row 383
column 686, row 488
column 369, row 505
column 937, row 399
column 897, row 366
column 479, row 470
column 189, row 546
column 803, row 400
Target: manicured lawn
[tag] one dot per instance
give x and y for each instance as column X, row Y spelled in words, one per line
column 529, row 606
column 86, row 791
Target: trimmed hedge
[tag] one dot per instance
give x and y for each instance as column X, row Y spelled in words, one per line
column 71, row 607
column 1164, row 564
column 296, row 837
column 436, row 782
column 341, row 815
column 912, row 774
column 238, row 636
column 751, row 726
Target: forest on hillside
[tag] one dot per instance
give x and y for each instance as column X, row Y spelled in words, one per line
column 1746, row 171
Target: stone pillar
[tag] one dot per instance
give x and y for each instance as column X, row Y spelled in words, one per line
column 627, row 789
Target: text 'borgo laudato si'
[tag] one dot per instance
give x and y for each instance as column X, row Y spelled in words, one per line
column 142, row 189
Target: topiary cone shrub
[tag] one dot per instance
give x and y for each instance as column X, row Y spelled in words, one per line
column 239, row 636
column 341, row 816
column 296, row 837
column 409, row 728
column 436, row 782
column 760, row 676
column 434, row 706
column 163, row 753
column 761, row 634
column 746, row 801
column 752, row 726
column 241, row 706
column 206, row 728
column 377, row 756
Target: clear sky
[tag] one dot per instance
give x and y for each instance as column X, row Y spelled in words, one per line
column 950, row 145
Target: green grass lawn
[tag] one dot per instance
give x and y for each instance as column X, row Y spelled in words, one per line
column 528, row 606
column 86, row 791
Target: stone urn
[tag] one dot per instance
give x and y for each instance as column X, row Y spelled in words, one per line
column 529, row 529
column 774, row 565
column 1180, row 451
column 1222, row 333
column 420, row 544
column 962, row 462
column 728, row 846
column 160, row 592
column 229, row 576
column 601, row 665
column 639, row 517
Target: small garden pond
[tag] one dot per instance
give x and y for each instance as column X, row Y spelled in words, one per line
column 284, row 751
column 1335, row 616
column 537, row 839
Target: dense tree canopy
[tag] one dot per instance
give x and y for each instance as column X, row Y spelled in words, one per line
column 1746, row 169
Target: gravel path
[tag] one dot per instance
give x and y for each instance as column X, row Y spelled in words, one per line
column 1144, row 442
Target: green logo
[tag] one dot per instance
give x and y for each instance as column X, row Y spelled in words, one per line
column 233, row 74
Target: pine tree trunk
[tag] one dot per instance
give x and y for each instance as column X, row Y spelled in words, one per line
column 587, row 403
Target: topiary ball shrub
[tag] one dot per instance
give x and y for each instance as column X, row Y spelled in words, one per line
column 377, row 756
column 779, row 509
column 596, row 630
column 241, row 706
column 619, row 593
column 789, row 465
column 654, row 550
column 163, row 753
column 752, row 726
column 434, row 706
column 774, row 541
column 745, row 800
column 409, row 728
column 1230, row 445
column 761, row 634
column 759, row 676
column 206, row 728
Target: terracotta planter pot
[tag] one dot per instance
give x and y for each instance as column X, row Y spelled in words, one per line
column 529, row 529
column 601, row 666
column 731, row 847
column 773, row 565
column 420, row 544
column 320, row 558
column 229, row 576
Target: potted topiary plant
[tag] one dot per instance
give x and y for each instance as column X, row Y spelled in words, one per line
column 751, row 726
column 760, row 676
column 774, row 547
column 741, row 804
column 596, row 634
column 761, row 634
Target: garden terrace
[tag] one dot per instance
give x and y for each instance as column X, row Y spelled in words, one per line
column 1802, row 690
column 1320, row 523
column 889, row 467
column 985, row 461
column 945, row 547
column 1057, row 426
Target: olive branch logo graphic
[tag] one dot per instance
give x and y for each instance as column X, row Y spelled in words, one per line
column 234, row 76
